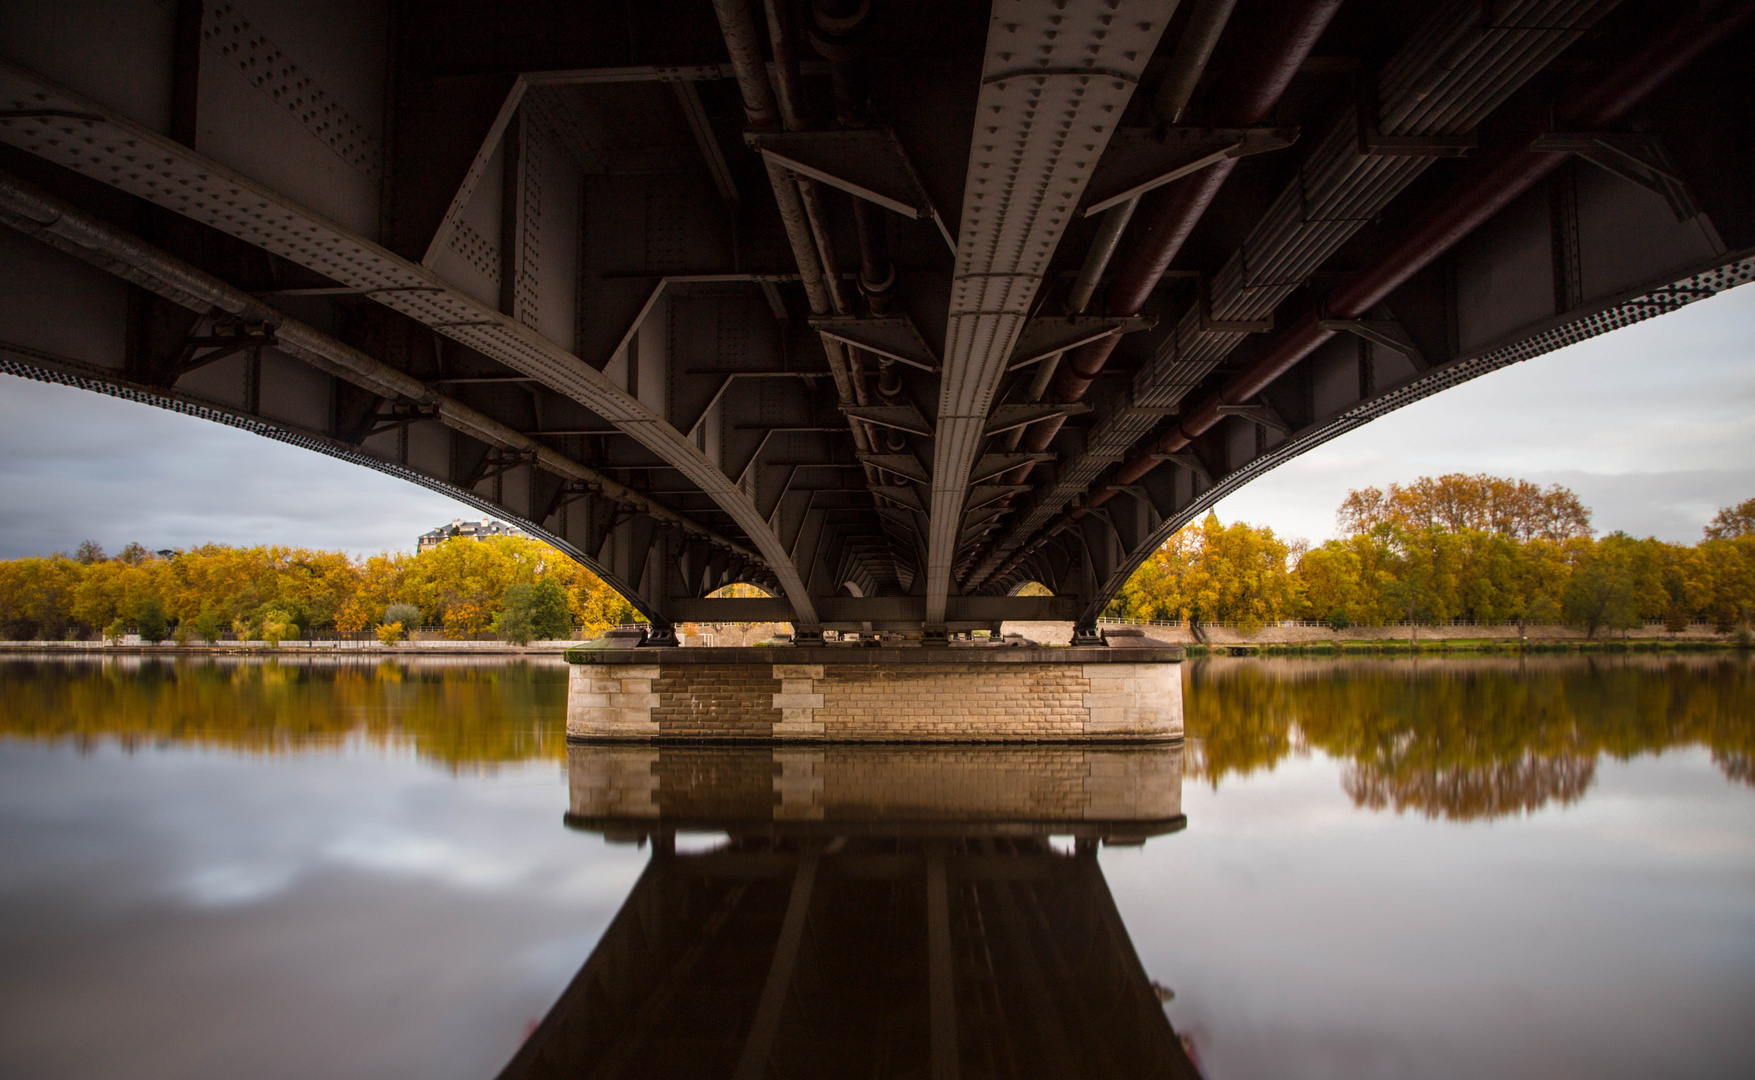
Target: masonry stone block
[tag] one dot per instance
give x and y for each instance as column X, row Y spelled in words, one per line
column 897, row 695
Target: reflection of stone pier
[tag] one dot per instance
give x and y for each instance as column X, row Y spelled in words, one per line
column 842, row 790
column 827, row 694
column 875, row 911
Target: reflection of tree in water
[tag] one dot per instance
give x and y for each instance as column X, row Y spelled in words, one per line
column 1488, row 791
column 462, row 713
column 1468, row 739
column 1738, row 765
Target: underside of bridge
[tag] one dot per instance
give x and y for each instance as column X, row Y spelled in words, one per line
column 886, row 306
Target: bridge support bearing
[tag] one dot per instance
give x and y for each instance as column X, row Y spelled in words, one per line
column 1088, row 636
column 661, row 635
column 831, row 694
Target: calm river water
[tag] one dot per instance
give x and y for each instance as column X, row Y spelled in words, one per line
column 1516, row 868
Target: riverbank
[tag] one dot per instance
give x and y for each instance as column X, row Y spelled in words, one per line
column 291, row 648
column 1301, row 640
column 1474, row 647
column 1219, row 641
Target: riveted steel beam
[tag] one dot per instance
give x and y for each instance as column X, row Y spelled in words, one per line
column 108, row 147
column 1444, row 80
column 76, row 233
column 1054, row 81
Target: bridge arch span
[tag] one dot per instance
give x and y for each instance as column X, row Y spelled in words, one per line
column 62, row 371
column 614, row 549
column 680, row 320
column 1089, row 532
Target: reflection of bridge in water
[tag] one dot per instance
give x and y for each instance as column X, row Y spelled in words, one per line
column 883, row 911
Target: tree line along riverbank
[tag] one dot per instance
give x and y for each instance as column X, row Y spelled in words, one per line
column 1482, row 549
column 511, row 587
column 1476, row 548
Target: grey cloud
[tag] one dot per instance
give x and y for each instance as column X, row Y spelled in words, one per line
column 75, row 465
column 1653, row 426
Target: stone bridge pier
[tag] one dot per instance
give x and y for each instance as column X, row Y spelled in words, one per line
column 852, row 694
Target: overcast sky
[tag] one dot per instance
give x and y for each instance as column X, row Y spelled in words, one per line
column 1653, row 426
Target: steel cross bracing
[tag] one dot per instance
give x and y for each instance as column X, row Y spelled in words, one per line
column 634, row 318
column 81, row 135
column 67, row 229
column 1455, row 71
column 1633, row 306
column 1054, row 82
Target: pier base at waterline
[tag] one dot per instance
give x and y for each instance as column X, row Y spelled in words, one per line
column 852, row 694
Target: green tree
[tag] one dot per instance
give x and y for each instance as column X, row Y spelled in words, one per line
column 1600, row 596
column 516, row 621
column 405, row 614
column 209, row 625
column 276, row 625
column 550, row 618
column 151, row 620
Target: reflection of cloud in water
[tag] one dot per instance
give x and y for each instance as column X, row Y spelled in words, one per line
column 394, row 851
column 234, row 884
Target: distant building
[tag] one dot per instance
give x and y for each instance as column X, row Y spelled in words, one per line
column 471, row 530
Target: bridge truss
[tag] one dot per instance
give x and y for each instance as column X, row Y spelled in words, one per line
column 887, row 307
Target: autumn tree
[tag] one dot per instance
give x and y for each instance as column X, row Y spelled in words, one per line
column 1456, row 502
column 460, row 585
column 380, row 585
column 1600, row 595
column 36, row 598
column 273, row 590
column 1215, row 573
column 1732, row 522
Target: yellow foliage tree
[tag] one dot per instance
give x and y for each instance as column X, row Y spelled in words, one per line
column 1215, row 573
column 460, row 586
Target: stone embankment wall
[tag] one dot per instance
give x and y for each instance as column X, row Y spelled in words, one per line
column 728, row 787
column 876, row 702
